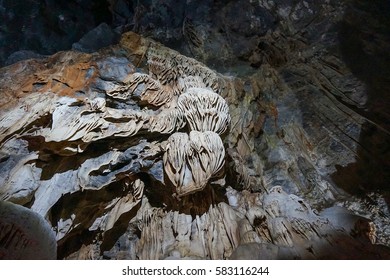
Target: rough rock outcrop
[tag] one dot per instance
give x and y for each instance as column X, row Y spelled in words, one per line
column 25, row 234
column 31, row 27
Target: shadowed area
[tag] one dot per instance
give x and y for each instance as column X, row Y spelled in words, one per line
column 364, row 41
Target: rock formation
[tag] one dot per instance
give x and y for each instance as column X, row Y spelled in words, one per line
column 191, row 161
column 204, row 110
column 25, row 234
column 245, row 142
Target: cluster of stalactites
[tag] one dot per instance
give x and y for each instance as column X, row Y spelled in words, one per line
column 201, row 109
column 186, row 93
column 204, row 110
column 171, row 68
column 191, row 160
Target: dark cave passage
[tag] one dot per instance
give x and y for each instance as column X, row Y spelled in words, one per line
column 364, row 37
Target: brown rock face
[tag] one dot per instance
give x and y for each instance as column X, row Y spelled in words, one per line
column 140, row 152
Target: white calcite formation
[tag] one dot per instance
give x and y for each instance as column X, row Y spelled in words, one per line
column 204, row 110
column 191, row 161
column 168, row 121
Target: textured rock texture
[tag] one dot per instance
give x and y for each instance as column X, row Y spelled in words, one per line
column 32, row 27
column 25, row 234
column 216, row 130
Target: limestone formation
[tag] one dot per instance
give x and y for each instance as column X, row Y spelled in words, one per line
column 144, row 87
column 167, row 121
column 118, row 207
column 24, row 234
column 191, row 161
column 204, row 110
column 170, row 68
column 188, row 82
column 74, row 120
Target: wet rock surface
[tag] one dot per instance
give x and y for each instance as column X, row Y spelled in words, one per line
column 296, row 167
